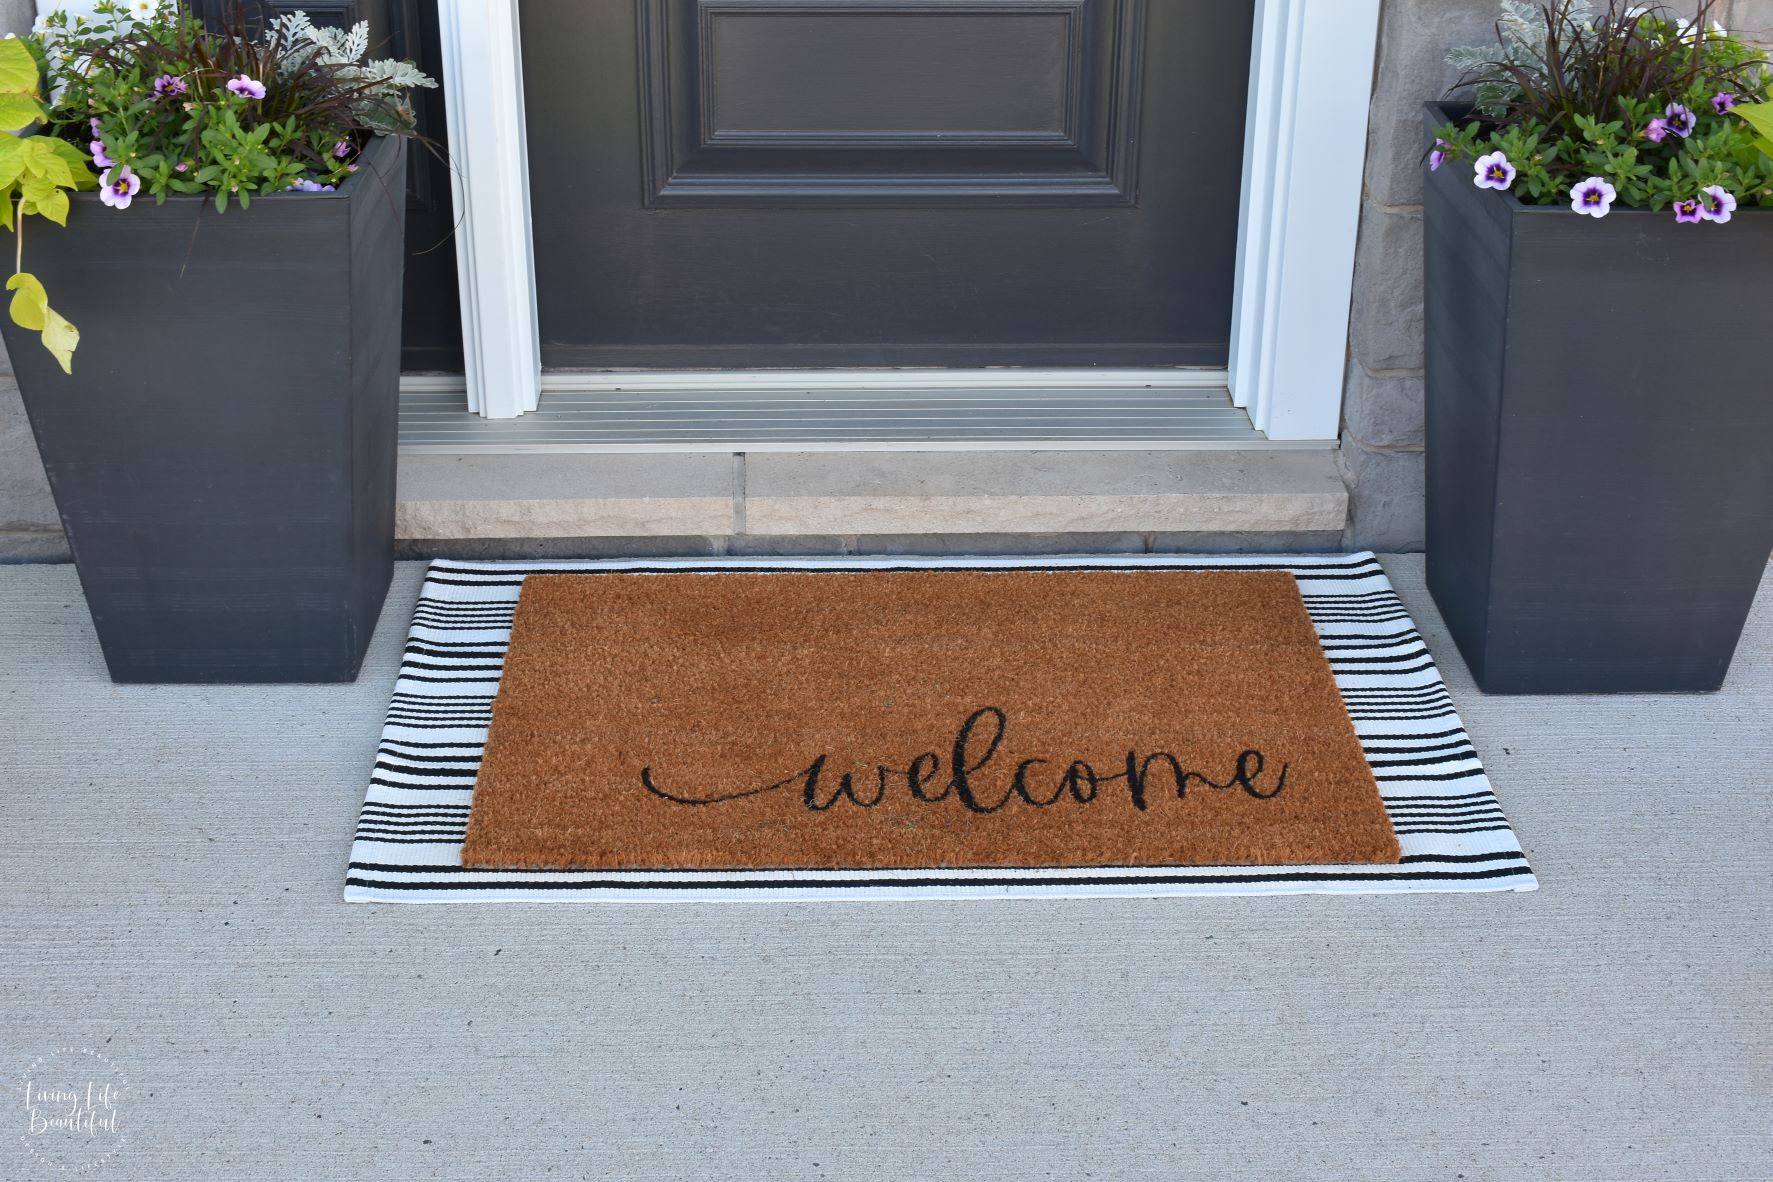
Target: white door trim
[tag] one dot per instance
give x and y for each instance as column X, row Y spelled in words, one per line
column 495, row 256
column 1304, row 157
column 1305, row 151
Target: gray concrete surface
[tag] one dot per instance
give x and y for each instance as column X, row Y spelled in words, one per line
column 173, row 858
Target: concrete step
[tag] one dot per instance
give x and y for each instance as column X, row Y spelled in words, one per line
column 783, row 502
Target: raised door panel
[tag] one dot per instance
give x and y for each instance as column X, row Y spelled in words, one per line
column 890, row 102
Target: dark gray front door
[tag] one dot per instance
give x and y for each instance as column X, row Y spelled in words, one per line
column 788, row 183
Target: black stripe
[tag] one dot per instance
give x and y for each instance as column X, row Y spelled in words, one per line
column 1500, row 856
column 858, row 883
column 380, row 782
column 1438, row 797
column 1368, row 567
column 1340, row 667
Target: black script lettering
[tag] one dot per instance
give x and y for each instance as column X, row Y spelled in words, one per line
column 810, row 776
column 1021, row 785
column 920, row 779
column 961, row 772
column 975, row 748
column 1077, row 776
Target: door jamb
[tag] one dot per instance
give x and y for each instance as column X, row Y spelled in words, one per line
column 489, row 180
column 1311, row 71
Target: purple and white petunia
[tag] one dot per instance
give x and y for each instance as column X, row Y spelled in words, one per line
column 1438, row 156
column 1493, row 172
column 100, row 158
column 304, row 184
column 248, row 86
column 1723, row 102
column 341, row 149
column 1593, row 197
column 170, row 86
column 1689, row 211
column 1716, row 204
column 118, row 187
column 1680, row 120
column 1656, row 130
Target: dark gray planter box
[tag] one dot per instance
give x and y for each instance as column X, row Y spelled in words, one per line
column 223, row 454
column 1600, row 438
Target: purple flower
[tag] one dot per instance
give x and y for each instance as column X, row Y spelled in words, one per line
column 1716, row 204
column 181, row 166
column 169, row 85
column 95, row 124
column 249, row 87
column 120, row 189
column 100, row 158
column 1593, row 197
column 1493, row 172
column 303, row 184
column 342, row 149
column 1689, row 211
column 1656, row 131
column 1438, row 157
column 1681, row 121
column 1723, row 102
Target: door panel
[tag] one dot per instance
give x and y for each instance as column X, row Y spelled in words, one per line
column 785, row 183
column 890, row 102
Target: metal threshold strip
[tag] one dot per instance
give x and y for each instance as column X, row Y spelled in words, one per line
column 841, row 410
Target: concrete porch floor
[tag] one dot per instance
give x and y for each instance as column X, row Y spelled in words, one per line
column 174, row 857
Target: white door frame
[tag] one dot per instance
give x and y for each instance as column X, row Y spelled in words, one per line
column 1311, row 73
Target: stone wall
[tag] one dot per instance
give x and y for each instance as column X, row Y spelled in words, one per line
column 1382, row 396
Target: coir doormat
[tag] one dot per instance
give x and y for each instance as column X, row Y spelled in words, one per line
column 748, row 729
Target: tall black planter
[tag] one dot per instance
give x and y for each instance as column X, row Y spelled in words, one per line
column 1600, row 438
column 223, row 454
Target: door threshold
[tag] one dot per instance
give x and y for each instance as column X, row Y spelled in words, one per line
column 845, row 410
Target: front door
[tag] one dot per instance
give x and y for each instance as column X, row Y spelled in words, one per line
column 835, row 183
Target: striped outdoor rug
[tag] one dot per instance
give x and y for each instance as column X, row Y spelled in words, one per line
column 408, row 845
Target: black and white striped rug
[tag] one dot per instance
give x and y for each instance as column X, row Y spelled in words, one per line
column 409, row 835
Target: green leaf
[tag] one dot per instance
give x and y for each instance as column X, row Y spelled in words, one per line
column 19, row 110
column 1760, row 117
column 30, row 309
column 61, row 338
column 43, row 161
column 18, row 69
column 30, row 303
column 53, row 205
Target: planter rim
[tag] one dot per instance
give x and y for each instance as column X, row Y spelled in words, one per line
column 1444, row 110
column 376, row 145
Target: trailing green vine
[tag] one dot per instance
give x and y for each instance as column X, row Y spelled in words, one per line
column 36, row 174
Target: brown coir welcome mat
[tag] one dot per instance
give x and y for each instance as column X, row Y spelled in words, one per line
column 926, row 718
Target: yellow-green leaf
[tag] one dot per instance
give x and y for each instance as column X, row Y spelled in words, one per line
column 19, row 110
column 30, row 303
column 47, row 163
column 6, row 204
column 30, row 309
column 1760, row 117
column 44, row 197
column 60, row 338
column 78, row 162
column 18, row 69
column 54, row 206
